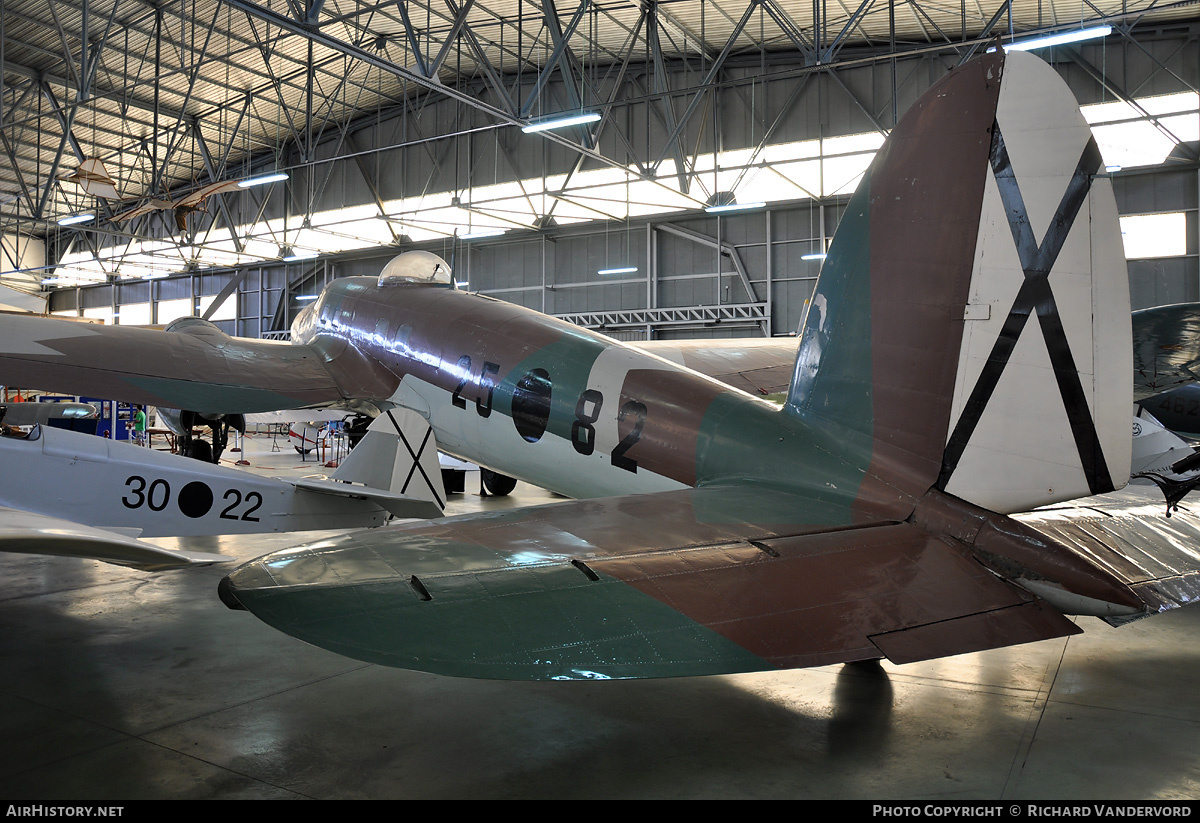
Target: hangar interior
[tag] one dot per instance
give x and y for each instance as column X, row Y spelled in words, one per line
column 401, row 126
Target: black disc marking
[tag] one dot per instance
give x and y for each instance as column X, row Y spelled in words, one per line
column 195, row 499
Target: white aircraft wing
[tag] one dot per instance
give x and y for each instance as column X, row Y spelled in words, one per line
column 29, row 533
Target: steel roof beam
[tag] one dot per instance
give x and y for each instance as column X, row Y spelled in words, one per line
column 1108, row 83
column 406, row 74
column 485, row 66
column 1005, row 6
column 707, row 83
column 131, row 82
column 1126, row 32
column 460, row 19
column 414, row 45
column 831, row 52
column 8, row 149
column 662, row 87
column 360, row 162
column 554, row 61
column 214, row 174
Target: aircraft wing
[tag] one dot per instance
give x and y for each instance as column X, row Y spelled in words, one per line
column 296, row 416
column 203, row 193
column 399, row 505
column 700, row 581
column 198, row 368
column 29, row 533
column 1166, row 348
column 154, row 204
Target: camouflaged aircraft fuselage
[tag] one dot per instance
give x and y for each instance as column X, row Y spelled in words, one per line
column 569, row 409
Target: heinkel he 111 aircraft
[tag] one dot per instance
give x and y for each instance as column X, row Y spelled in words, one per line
column 966, row 359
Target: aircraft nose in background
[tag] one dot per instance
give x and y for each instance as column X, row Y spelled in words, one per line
column 225, row 592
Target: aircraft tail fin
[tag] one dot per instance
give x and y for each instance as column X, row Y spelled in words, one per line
column 971, row 324
column 398, row 455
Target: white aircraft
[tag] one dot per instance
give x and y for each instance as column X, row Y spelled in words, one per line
column 117, row 491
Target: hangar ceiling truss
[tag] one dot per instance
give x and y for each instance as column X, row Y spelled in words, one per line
column 178, row 94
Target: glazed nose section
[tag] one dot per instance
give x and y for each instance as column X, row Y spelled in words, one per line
column 227, row 592
column 244, row 581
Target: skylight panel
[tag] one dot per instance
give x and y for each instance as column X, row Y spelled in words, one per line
column 1154, row 235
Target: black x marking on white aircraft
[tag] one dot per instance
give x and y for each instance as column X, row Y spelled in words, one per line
column 416, row 458
column 1036, row 296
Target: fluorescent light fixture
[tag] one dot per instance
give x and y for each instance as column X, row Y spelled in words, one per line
column 479, row 234
column 1112, row 168
column 307, row 296
column 258, row 181
column 53, row 281
column 817, row 256
column 624, row 270
column 300, row 254
column 728, row 207
column 76, row 218
column 1059, row 38
column 461, row 284
column 561, row 122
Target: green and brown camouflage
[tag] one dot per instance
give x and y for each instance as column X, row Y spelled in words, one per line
column 800, row 536
column 974, row 285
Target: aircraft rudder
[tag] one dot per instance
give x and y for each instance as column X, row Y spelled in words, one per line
column 1043, row 389
column 970, row 327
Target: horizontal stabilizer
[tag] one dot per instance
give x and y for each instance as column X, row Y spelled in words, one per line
column 399, row 505
column 759, row 366
column 1127, row 534
column 27, row 533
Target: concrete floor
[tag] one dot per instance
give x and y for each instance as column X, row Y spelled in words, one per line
column 122, row 685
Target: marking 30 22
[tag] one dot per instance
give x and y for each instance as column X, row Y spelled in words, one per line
column 195, row 499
